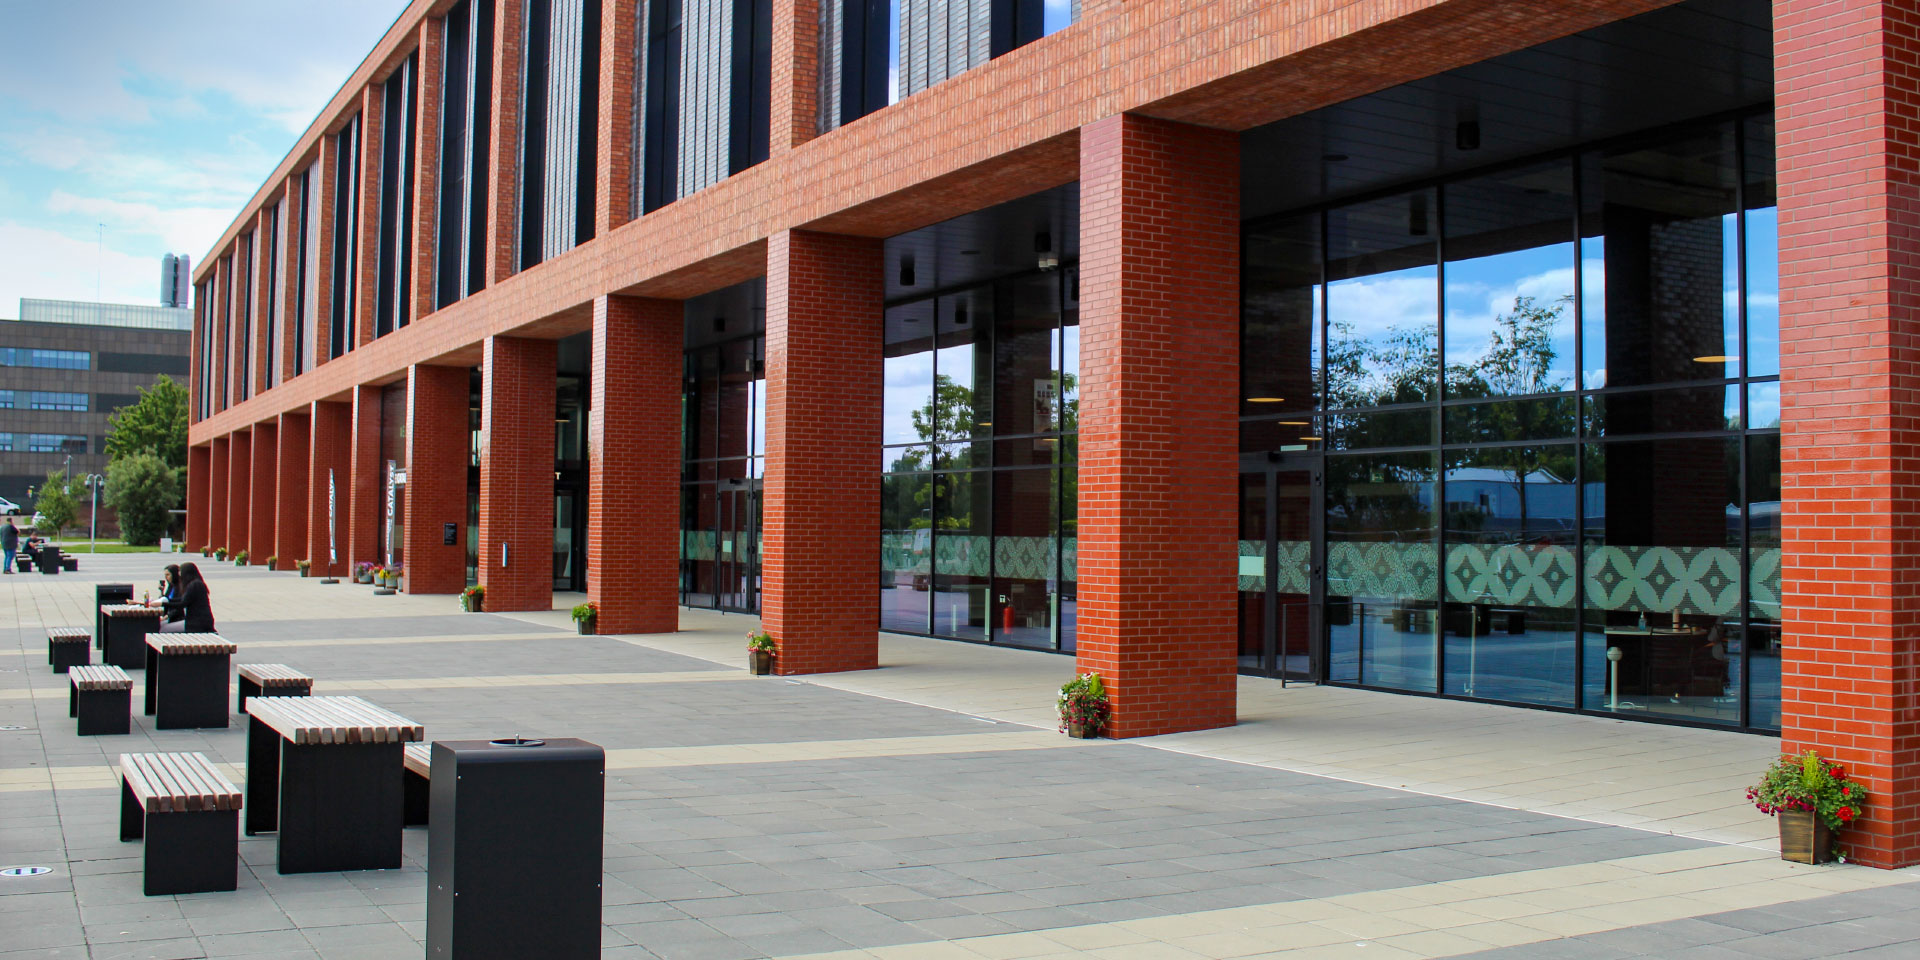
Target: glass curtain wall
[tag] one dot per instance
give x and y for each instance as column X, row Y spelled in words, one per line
column 1545, row 399
column 723, row 405
column 979, row 481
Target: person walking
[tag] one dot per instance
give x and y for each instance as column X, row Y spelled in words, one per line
column 9, row 543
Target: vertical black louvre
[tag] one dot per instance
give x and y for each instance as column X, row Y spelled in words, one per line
column 752, row 83
column 533, row 132
column 392, row 309
column 662, row 148
column 271, row 325
column 244, row 282
column 346, row 236
column 561, row 112
column 482, row 127
column 863, row 57
column 456, row 113
column 224, row 367
column 586, row 168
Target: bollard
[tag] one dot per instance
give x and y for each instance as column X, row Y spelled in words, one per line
column 513, row 849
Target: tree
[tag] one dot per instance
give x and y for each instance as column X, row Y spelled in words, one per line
column 156, row 424
column 142, row 489
column 55, row 505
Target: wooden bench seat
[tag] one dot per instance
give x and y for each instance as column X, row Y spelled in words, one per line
column 271, row 680
column 189, row 814
column 101, row 699
column 307, row 721
column 316, row 763
column 69, row 647
column 416, row 792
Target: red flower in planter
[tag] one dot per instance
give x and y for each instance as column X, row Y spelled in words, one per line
column 1845, row 814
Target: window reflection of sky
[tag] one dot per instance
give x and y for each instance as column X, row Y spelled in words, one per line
column 1483, row 289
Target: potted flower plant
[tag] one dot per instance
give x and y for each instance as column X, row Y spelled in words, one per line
column 473, row 599
column 220, row 553
column 394, row 573
column 206, row 552
column 363, row 572
column 273, row 562
column 1083, row 706
column 240, row 559
column 1813, row 800
column 305, row 567
column 760, row 653
column 584, row 617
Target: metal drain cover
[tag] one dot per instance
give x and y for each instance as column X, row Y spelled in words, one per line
column 11, row 726
column 24, row 871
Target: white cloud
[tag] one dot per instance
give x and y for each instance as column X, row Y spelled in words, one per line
column 189, row 230
column 46, row 264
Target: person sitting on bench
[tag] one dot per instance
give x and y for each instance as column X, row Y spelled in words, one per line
column 194, row 605
column 170, row 592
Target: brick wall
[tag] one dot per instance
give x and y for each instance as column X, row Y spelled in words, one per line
column 239, row 490
column 217, row 477
column 517, row 405
column 1159, row 440
column 633, row 441
column 366, row 481
column 261, row 487
column 329, row 449
column 427, row 92
column 502, row 168
column 436, row 491
column 821, row 503
column 291, row 498
column 1848, row 113
column 199, row 467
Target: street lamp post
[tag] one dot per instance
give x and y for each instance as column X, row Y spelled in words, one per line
column 94, row 482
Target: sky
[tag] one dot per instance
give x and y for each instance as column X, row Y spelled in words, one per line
column 132, row 130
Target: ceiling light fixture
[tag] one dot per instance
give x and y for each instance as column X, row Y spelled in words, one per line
column 1293, row 423
column 1716, row 358
column 1265, row 399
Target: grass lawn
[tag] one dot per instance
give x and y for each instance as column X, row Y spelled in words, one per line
column 103, row 546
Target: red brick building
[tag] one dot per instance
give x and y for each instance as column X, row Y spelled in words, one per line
column 1547, row 353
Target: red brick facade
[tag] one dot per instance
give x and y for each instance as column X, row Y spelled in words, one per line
column 821, row 499
column 1848, row 81
column 633, row 453
column 217, row 478
column 366, row 481
column 199, row 490
column 239, row 491
column 1159, row 427
column 260, row 515
column 328, row 462
column 436, row 491
column 517, row 404
column 291, row 500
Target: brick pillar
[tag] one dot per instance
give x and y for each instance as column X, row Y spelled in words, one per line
column 436, row 492
column 795, row 104
column 320, row 329
column 821, row 498
column 1847, row 86
column 199, row 491
column 291, row 500
column 239, row 491
column 261, row 292
column 262, row 487
column 366, row 277
column 516, row 472
column 1159, row 426
column 504, row 165
column 633, row 444
column 425, row 234
column 217, row 477
column 366, row 481
column 329, row 453
column 613, row 184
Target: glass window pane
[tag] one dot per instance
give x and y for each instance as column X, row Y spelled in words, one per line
column 961, row 554
column 1069, row 552
column 1280, row 317
column 1687, row 410
column 963, row 365
column 1382, row 302
column 1545, row 418
column 906, row 551
column 735, row 376
column 1660, row 259
column 907, row 411
column 1510, row 262
column 1511, row 573
column 1763, row 405
column 1026, row 358
column 1388, row 428
column 1253, row 571
column 1763, row 251
column 1068, row 359
column 1764, row 636
column 1025, row 558
column 698, row 545
column 1661, row 560
column 1382, row 565
column 1290, row 432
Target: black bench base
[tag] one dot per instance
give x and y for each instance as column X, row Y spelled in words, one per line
column 416, row 794
column 64, row 656
column 187, row 691
column 126, row 642
column 250, row 689
column 194, row 852
column 101, row 712
column 333, row 806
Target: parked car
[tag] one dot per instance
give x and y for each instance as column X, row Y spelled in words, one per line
column 9, row 508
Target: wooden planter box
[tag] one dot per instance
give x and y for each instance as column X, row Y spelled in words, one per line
column 1804, row 838
column 584, row 626
column 1080, row 731
column 473, row 604
column 760, row 662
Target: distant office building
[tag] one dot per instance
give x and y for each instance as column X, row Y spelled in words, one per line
column 176, row 280
column 64, row 367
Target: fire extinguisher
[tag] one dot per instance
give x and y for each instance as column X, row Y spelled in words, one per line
column 1006, row 614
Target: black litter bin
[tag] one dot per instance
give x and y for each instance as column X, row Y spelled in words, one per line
column 103, row 594
column 49, row 560
column 513, row 849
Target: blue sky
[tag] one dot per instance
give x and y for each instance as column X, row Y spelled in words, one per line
column 131, row 130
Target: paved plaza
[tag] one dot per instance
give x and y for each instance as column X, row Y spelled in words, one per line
column 929, row 809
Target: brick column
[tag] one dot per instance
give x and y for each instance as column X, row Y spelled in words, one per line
column 426, row 166
column 503, row 168
column 366, row 481
column 199, row 491
column 290, row 494
column 613, row 185
column 262, row 507
column 821, row 498
column 239, row 491
column 1159, row 427
column 436, row 492
column 516, row 472
column 1847, row 84
column 289, row 284
column 320, row 331
column 633, row 444
column 261, row 293
column 366, row 278
column 330, row 452
column 795, row 95
column 217, row 477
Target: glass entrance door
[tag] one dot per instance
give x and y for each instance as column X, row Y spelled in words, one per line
column 736, row 559
column 1283, row 613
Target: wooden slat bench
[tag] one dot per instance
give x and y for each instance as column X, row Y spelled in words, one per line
column 323, row 772
column 101, row 698
column 270, row 680
column 127, row 627
column 189, row 814
column 187, row 679
column 416, row 790
column 69, row 647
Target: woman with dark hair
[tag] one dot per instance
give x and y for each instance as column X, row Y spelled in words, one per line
column 170, row 590
column 193, row 604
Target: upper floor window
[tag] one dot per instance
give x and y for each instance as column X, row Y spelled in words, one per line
column 48, row 359
column 55, row 443
column 50, row 400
